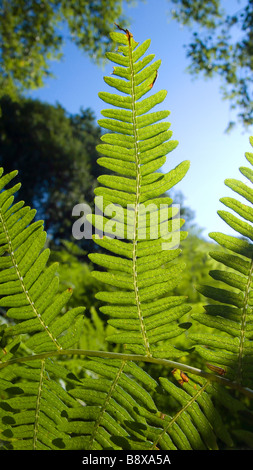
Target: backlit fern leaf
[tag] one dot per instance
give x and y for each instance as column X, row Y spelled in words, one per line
column 142, row 266
column 121, row 413
column 116, row 397
column 195, row 422
column 141, row 308
column 29, row 288
column 35, row 321
column 32, row 405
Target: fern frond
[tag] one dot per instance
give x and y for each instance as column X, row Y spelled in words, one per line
column 196, row 423
column 142, row 269
column 230, row 314
column 36, row 320
column 28, row 287
column 114, row 398
column 32, row 405
column 142, row 309
column 123, row 415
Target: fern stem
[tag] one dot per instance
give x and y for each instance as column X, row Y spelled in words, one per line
column 134, row 358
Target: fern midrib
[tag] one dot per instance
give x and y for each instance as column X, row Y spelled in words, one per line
column 136, row 206
column 21, row 280
column 239, row 376
column 104, row 407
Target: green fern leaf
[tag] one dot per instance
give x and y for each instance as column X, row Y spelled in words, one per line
column 31, row 411
column 195, row 425
column 135, row 148
column 115, row 397
column 230, row 317
column 32, row 403
column 29, row 289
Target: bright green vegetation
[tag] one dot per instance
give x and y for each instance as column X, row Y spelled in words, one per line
column 76, row 380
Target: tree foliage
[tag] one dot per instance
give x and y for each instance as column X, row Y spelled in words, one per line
column 222, row 45
column 55, row 154
column 31, row 34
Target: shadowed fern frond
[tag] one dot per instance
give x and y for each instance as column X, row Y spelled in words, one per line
column 194, row 424
column 122, row 412
column 116, row 397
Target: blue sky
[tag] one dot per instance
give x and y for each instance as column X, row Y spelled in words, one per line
column 198, row 116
